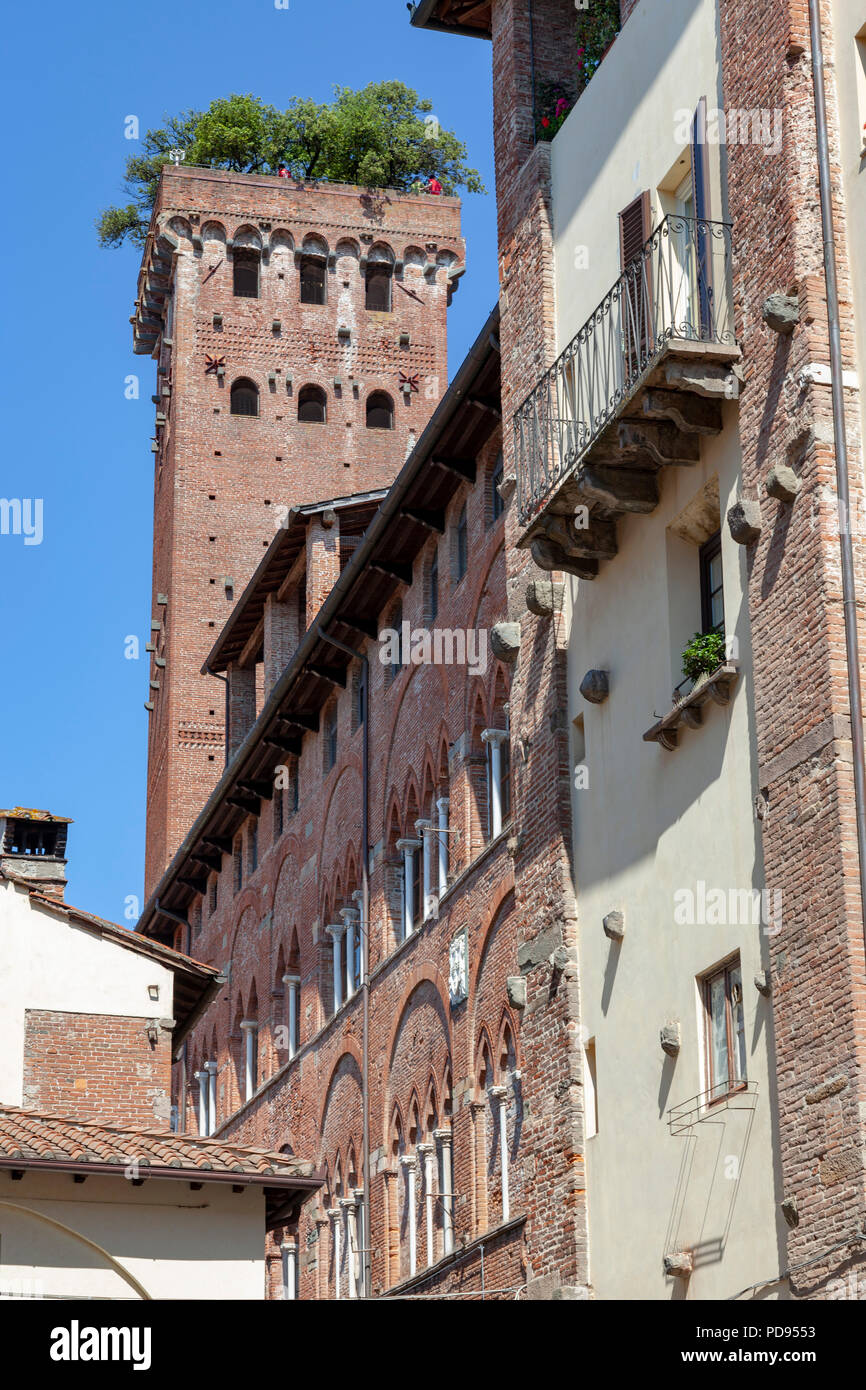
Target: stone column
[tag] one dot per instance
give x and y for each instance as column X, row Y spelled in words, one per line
column 443, row 1136
column 293, row 989
column 350, row 917
column 336, row 932
column 334, row 1214
column 499, row 1097
column 442, row 806
column 407, row 847
column 348, row 1206
column 211, row 1069
column 426, row 1150
column 249, row 1029
column 361, row 1241
column 201, row 1078
column 289, row 1252
column 410, row 1167
column 424, row 828
column 495, row 739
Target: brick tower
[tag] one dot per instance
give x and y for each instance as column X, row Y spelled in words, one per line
column 299, row 335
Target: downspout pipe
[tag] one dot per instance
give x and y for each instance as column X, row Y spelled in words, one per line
column 367, row 1278
column 849, row 603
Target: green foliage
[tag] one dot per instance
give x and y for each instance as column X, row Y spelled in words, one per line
column 553, row 101
column 704, row 654
column 377, row 137
column 597, row 27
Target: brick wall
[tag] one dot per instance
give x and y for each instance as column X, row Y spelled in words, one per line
column 544, row 891
column 221, row 477
column 99, row 1066
column 800, row 682
column 432, row 1064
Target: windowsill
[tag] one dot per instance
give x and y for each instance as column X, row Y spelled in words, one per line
column 458, row 1254
column 687, row 712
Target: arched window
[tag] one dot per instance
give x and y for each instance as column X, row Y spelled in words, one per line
column 377, row 281
column 312, row 280
column 312, row 405
column 246, row 274
column 244, row 397
column 380, row 411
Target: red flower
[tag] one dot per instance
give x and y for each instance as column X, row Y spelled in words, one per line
column 545, row 122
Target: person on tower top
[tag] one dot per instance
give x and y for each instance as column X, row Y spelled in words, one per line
column 282, row 172
column 433, row 185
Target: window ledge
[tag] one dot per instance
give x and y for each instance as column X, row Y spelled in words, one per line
column 688, row 710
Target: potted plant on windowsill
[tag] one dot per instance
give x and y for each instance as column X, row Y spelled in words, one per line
column 702, row 657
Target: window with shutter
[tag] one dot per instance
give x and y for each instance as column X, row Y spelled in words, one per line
column 635, row 228
column 701, row 201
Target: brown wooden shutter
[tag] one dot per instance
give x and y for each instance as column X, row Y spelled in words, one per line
column 635, row 226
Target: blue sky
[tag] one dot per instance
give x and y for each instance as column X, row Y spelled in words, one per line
column 73, row 733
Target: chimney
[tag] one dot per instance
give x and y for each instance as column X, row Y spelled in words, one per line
column 33, row 846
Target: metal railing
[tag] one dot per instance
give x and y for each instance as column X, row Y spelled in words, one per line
column 677, row 287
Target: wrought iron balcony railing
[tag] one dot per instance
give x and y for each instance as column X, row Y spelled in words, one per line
column 675, row 291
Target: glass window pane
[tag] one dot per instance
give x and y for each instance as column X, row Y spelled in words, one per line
column 718, row 1036
column 738, row 1023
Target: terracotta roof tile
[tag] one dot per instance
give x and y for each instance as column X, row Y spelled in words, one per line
column 28, row 1136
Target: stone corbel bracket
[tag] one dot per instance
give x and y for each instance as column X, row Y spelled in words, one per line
column 688, row 711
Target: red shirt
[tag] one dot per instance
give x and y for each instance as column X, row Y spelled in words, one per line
column 434, row 186
column 283, row 174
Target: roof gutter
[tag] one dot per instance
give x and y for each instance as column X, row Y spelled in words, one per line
column 146, row 1170
column 421, row 454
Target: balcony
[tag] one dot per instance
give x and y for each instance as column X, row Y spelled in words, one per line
column 632, row 393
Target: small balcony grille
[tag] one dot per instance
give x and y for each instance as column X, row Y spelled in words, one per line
column 675, row 291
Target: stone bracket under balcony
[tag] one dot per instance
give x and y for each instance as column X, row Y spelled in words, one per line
column 688, row 709
column 676, row 404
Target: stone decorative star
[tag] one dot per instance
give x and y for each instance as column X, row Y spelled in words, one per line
column 213, row 363
column 409, row 379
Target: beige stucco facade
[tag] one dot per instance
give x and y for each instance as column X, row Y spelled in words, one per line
column 49, row 963
column 666, row 1172
column 106, row 1239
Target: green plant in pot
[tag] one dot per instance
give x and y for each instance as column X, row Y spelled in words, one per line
column 703, row 655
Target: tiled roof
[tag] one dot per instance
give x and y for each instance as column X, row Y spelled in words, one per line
column 30, row 1138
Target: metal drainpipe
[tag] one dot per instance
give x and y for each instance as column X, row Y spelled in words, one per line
column 367, row 1282
column 225, row 680
column 849, row 604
